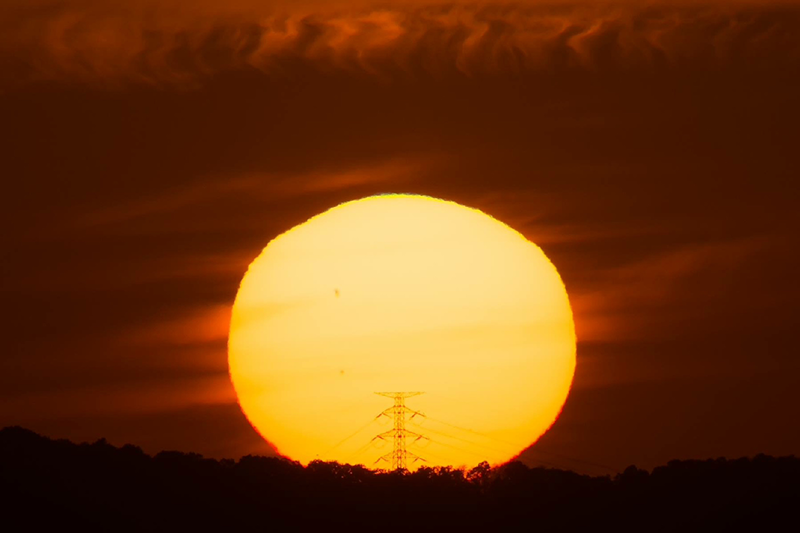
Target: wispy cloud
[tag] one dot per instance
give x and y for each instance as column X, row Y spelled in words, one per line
column 644, row 299
column 269, row 187
column 131, row 43
column 199, row 326
column 129, row 398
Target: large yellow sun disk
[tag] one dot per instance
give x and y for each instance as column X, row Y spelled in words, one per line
column 402, row 293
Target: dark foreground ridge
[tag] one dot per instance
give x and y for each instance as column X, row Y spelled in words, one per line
column 97, row 487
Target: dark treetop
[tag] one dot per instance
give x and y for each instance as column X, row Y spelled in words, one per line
column 97, row 487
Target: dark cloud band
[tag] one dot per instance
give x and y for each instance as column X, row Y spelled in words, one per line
column 134, row 43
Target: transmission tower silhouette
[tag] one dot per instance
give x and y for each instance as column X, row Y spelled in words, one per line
column 399, row 455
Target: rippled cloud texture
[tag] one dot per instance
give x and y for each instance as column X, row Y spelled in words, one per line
column 159, row 43
column 151, row 149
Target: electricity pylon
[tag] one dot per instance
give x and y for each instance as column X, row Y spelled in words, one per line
column 398, row 457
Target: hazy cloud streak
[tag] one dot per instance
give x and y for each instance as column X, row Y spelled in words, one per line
column 131, row 43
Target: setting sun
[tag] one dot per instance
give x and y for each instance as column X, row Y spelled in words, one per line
column 402, row 293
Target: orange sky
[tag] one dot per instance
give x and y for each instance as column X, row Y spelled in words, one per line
column 150, row 151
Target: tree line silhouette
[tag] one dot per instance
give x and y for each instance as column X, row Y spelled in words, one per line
column 50, row 484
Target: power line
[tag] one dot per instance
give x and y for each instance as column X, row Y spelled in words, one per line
column 534, row 450
column 353, row 434
column 398, row 457
column 467, row 441
column 359, row 451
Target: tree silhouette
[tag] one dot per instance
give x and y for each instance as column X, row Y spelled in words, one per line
column 48, row 484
